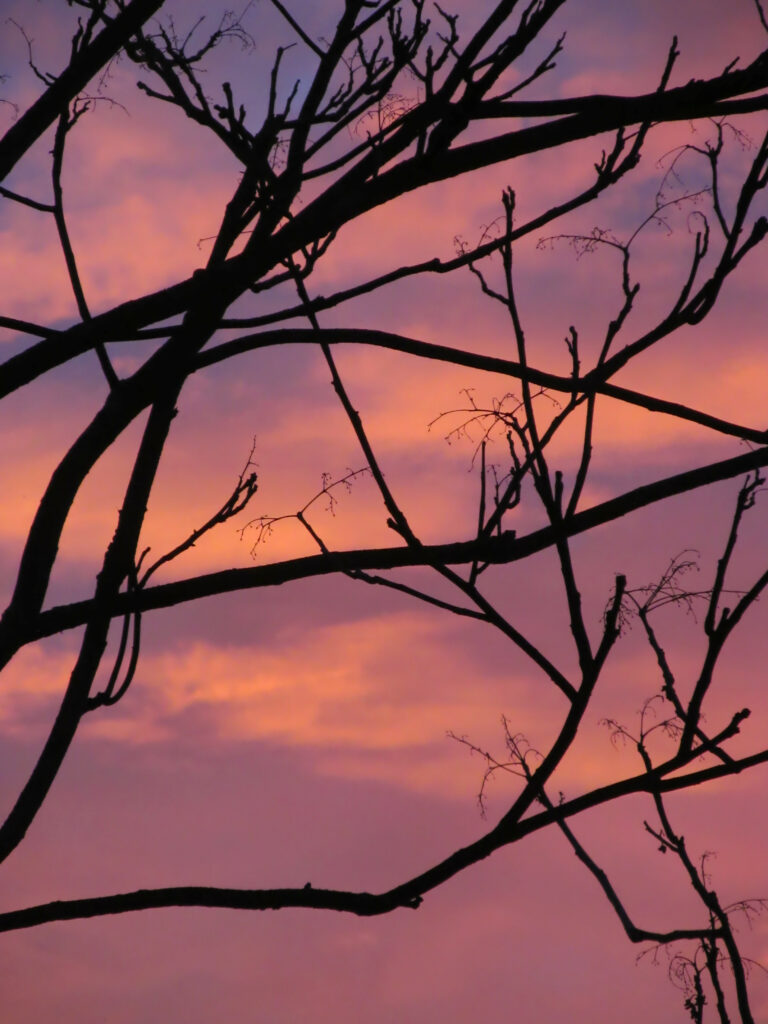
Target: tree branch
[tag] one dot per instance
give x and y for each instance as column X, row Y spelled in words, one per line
column 81, row 69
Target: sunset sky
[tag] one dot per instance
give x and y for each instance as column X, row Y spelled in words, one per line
column 299, row 733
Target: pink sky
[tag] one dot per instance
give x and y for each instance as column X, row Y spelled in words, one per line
column 299, row 733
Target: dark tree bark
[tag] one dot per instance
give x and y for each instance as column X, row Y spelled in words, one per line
column 443, row 107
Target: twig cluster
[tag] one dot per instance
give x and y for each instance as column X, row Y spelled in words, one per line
column 399, row 99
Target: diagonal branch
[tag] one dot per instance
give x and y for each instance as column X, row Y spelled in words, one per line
column 497, row 550
column 490, row 364
column 81, row 69
column 409, row 894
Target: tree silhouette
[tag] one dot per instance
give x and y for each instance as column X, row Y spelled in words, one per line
column 396, row 99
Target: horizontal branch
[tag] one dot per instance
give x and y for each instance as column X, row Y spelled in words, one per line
column 6, row 193
column 366, row 904
column 365, row 186
column 736, row 83
column 12, row 323
column 489, row 364
column 495, row 550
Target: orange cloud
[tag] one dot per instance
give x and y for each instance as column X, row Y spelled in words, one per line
column 372, row 700
column 135, row 215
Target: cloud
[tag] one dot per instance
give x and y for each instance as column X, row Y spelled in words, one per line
column 370, row 699
column 367, row 699
column 134, row 214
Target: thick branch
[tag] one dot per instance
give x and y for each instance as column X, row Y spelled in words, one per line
column 489, row 364
column 81, row 69
column 497, row 550
column 366, row 904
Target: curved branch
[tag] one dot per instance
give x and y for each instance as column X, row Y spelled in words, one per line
column 496, row 550
column 81, row 69
column 490, row 364
column 410, row 894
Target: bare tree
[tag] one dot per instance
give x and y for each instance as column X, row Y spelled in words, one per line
column 399, row 98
